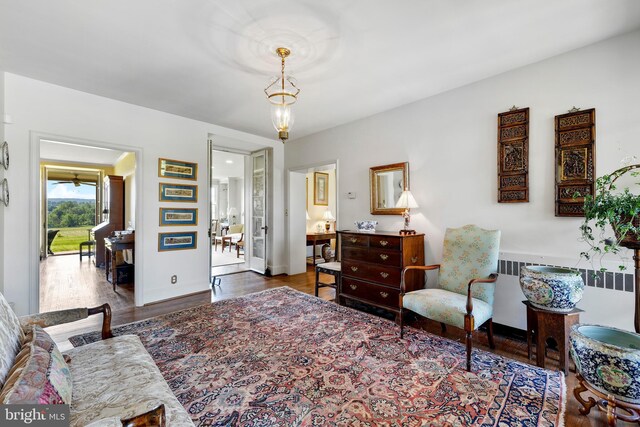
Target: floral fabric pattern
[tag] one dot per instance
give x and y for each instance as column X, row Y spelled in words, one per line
column 118, row 378
column 53, row 318
column 44, row 378
column 469, row 252
column 447, row 307
column 281, row 358
column 11, row 337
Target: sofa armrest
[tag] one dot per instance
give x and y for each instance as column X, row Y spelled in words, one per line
column 154, row 417
column 53, row 318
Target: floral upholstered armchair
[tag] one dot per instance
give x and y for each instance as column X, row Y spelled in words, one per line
column 466, row 277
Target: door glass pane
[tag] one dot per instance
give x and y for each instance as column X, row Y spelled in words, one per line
column 258, row 212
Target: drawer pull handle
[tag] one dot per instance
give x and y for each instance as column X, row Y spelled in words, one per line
column 383, row 243
column 354, row 268
column 384, row 275
column 414, row 259
column 354, row 287
column 384, row 256
column 353, row 240
column 384, row 294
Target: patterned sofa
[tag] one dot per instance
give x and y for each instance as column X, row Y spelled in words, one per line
column 112, row 382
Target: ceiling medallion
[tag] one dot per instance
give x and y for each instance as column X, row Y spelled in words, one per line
column 282, row 92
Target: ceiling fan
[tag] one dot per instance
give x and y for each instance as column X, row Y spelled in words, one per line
column 77, row 182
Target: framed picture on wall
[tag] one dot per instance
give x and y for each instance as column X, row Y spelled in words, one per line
column 321, row 189
column 178, row 192
column 168, row 168
column 177, row 241
column 178, row 216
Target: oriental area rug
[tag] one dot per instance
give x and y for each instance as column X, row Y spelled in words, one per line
column 284, row 358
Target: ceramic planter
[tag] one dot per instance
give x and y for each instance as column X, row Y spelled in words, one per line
column 551, row 288
column 368, row 226
column 608, row 359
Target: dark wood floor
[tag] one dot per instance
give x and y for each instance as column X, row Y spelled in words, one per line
column 248, row 282
column 67, row 282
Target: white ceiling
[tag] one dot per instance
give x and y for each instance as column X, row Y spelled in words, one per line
column 70, row 152
column 210, row 59
column 222, row 169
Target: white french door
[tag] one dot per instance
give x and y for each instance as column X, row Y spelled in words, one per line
column 259, row 211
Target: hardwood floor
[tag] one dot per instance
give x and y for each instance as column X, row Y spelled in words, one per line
column 67, row 282
column 245, row 283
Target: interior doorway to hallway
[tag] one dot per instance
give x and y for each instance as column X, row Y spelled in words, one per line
column 312, row 215
column 228, row 224
column 78, row 210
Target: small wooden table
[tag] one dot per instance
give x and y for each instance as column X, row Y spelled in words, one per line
column 547, row 324
column 319, row 238
column 113, row 271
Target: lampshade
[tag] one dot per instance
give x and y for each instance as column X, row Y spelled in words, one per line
column 308, row 217
column 406, row 200
column 233, row 211
column 281, row 93
column 328, row 216
column 282, row 118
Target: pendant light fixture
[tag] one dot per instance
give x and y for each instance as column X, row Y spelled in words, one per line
column 282, row 92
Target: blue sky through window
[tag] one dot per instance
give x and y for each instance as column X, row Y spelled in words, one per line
column 69, row 191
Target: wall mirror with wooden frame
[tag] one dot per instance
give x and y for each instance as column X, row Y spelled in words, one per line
column 386, row 184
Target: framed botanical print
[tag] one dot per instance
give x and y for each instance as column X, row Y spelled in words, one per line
column 178, row 216
column 177, row 241
column 168, row 168
column 170, row 192
column 321, row 189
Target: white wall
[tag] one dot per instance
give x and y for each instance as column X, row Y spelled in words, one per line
column 236, row 198
column 2, row 176
column 450, row 142
column 39, row 107
column 126, row 167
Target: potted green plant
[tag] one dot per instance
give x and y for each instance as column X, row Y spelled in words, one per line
column 610, row 206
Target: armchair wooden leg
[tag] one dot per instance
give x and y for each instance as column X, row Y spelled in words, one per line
column 401, row 323
column 317, row 280
column 469, row 338
column 492, row 343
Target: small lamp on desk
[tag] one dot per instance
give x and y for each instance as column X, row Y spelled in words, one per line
column 328, row 216
column 233, row 212
column 406, row 201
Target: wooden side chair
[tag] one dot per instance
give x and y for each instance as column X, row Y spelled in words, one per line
column 333, row 268
column 466, row 277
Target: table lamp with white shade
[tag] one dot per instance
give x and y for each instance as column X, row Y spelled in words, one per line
column 328, row 216
column 406, row 201
column 233, row 212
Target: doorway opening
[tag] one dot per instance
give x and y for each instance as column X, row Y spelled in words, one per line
column 87, row 198
column 228, row 225
column 313, row 212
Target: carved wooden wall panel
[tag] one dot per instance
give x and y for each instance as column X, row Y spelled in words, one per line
column 575, row 160
column 513, row 156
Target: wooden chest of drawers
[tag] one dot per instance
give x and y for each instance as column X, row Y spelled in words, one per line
column 372, row 266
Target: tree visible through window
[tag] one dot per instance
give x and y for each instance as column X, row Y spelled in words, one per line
column 72, row 211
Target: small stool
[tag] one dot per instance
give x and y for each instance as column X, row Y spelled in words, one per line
column 89, row 244
column 239, row 245
column 332, row 268
column 547, row 324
